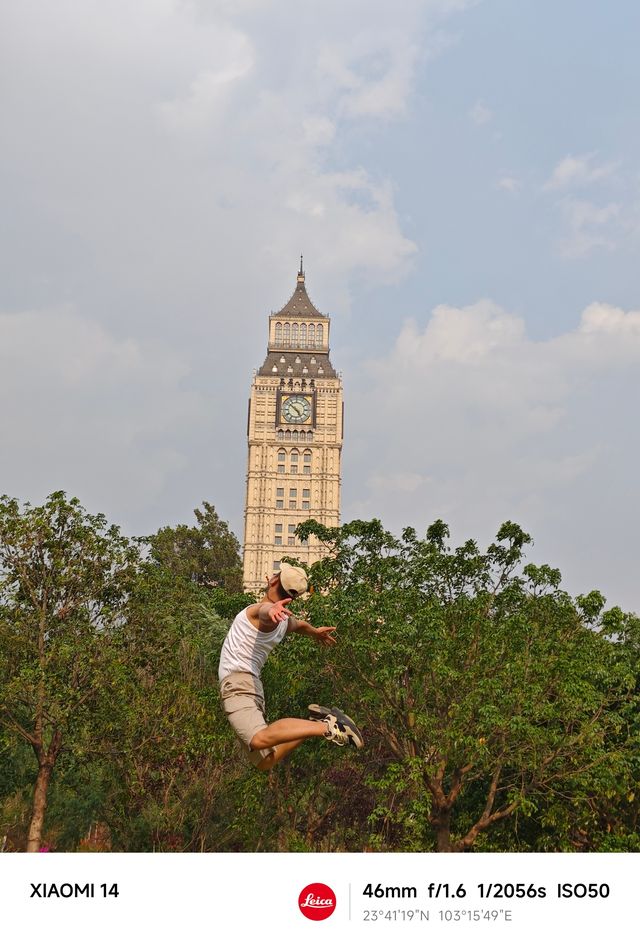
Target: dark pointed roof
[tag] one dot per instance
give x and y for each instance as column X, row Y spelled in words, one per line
column 299, row 304
column 299, row 361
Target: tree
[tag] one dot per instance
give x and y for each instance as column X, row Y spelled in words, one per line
column 208, row 553
column 64, row 580
column 166, row 750
column 484, row 688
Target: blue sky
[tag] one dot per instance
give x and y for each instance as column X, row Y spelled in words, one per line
column 464, row 181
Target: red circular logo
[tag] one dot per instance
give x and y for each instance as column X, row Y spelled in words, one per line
column 317, row 901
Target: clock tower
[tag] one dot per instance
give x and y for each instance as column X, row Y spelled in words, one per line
column 295, row 440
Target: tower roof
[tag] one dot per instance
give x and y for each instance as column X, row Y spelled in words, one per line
column 299, row 304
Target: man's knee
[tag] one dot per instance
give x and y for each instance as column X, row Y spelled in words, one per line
column 260, row 740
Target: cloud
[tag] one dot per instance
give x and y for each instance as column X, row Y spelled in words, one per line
column 588, row 226
column 176, row 134
column 579, row 172
column 369, row 53
column 480, row 114
column 211, row 90
column 492, row 424
column 510, row 184
column 371, row 74
column 494, row 371
column 166, row 164
column 319, row 130
column 100, row 416
column 607, row 336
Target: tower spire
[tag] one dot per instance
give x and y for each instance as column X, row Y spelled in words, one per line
column 301, row 273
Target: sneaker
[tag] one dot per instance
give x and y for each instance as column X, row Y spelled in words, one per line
column 341, row 729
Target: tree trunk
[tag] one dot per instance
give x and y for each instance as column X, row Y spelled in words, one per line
column 443, row 834
column 34, row 839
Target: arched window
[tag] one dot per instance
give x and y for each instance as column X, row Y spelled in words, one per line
column 287, row 434
column 294, row 335
column 280, row 435
column 287, row 334
column 306, row 462
column 278, row 333
column 303, row 335
column 319, row 335
column 281, row 455
column 294, row 435
column 294, row 462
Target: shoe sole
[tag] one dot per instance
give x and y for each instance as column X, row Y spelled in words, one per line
column 318, row 712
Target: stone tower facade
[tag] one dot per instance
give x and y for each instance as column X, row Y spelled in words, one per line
column 295, row 432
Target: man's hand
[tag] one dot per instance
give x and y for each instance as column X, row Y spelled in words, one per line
column 279, row 612
column 323, row 636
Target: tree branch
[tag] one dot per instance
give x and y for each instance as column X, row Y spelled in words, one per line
column 13, row 725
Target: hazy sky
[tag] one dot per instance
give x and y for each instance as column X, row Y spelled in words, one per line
column 463, row 179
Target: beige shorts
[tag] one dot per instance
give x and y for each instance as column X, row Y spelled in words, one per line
column 243, row 702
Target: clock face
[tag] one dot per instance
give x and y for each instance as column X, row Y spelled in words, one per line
column 296, row 409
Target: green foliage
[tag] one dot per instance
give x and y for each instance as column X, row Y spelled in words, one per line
column 207, row 553
column 500, row 714
column 163, row 748
column 108, row 674
column 493, row 691
column 64, row 580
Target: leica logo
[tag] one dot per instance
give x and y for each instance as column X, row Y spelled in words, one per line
column 317, row 901
column 311, row 900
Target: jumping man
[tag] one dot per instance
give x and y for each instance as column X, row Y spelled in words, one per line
column 252, row 636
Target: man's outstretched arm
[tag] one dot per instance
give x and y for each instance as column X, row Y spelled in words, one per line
column 268, row 614
column 323, row 635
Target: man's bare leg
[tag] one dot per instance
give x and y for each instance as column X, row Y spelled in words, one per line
column 280, row 751
column 283, row 731
column 285, row 735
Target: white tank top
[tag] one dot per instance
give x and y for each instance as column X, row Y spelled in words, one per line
column 245, row 648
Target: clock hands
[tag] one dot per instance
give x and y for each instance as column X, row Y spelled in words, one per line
column 296, row 409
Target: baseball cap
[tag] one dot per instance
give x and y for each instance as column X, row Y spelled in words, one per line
column 293, row 580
